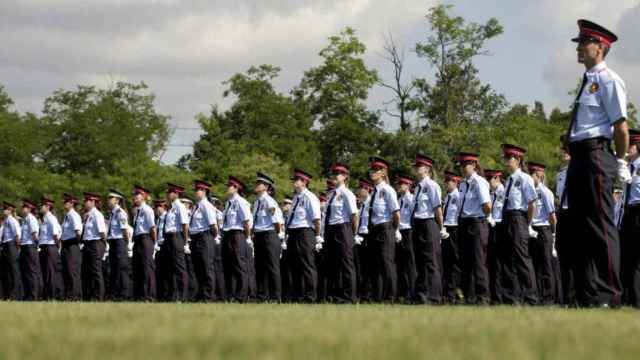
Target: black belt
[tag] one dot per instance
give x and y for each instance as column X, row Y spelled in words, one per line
column 599, row 143
column 473, row 219
column 515, row 213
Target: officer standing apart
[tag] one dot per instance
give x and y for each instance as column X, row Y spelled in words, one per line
column 427, row 230
column 203, row 228
column 176, row 231
column 541, row 247
column 29, row 261
column 49, row 242
column 118, row 238
column 236, row 236
column 94, row 235
column 630, row 231
column 266, row 239
column 303, row 239
column 473, row 230
column 598, row 117
column 383, row 223
column 70, row 253
column 517, row 275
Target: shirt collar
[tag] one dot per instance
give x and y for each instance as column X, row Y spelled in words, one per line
column 597, row 68
column 115, row 209
column 381, row 185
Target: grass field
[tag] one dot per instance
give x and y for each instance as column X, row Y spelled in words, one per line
column 225, row 331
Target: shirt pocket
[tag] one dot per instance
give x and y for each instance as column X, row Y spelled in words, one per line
column 380, row 207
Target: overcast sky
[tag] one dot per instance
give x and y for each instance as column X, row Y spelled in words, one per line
column 185, row 49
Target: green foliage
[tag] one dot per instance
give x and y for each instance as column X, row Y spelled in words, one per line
column 94, row 128
column 457, row 96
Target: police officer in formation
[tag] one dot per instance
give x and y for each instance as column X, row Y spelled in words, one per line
column 488, row 239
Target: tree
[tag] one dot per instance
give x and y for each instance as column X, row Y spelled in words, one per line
column 335, row 93
column 261, row 124
column 402, row 92
column 457, row 96
column 95, row 128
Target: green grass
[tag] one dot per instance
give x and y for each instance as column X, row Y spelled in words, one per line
column 303, row 332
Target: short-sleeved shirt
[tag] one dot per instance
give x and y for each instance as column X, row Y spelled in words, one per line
column 72, row 222
column 406, row 208
column 265, row 213
column 143, row 219
column 633, row 197
column 497, row 203
column 544, row 206
column 94, row 225
column 602, row 102
column 176, row 217
column 384, row 201
column 561, row 179
column 49, row 229
column 203, row 217
column 427, row 199
column 342, row 204
column 279, row 216
column 304, row 211
column 11, row 229
column 450, row 210
column 28, row 227
column 520, row 191
column 160, row 228
column 474, row 193
column 363, row 219
column 237, row 211
column 118, row 223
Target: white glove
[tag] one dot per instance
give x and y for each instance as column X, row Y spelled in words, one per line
column 187, row 249
column 491, row 221
column 358, row 239
column 532, row 233
column 249, row 242
column 156, row 248
column 623, row 171
column 130, row 246
column 398, row 236
column 283, row 244
column 554, row 253
column 319, row 241
column 281, row 235
column 444, row 234
column 218, row 239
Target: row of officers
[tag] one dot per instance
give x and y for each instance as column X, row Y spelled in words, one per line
column 491, row 239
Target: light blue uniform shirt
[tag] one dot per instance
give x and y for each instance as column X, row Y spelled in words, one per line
column 279, row 216
column 522, row 191
column 176, row 217
column 49, row 229
column 561, row 178
column 474, row 192
column 203, row 217
column 265, row 213
column 497, row 203
column 634, row 189
column 343, row 205
column 305, row 209
column 450, row 210
column 603, row 101
column 427, row 199
column 72, row 223
column 236, row 211
column 118, row 222
column 94, row 225
column 160, row 228
column 363, row 219
column 11, row 229
column 406, row 208
column 144, row 220
column 544, row 206
column 29, row 226
column 384, row 203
